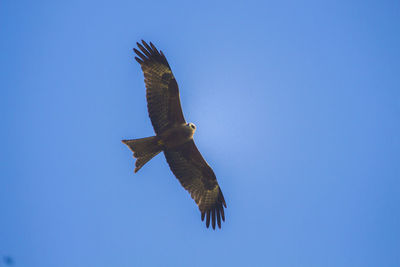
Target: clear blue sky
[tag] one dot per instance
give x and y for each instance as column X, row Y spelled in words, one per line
column 297, row 105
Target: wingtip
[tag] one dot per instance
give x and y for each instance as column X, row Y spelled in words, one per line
column 214, row 216
column 219, row 218
column 208, row 219
column 154, row 48
column 213, row 219
column 139, row 60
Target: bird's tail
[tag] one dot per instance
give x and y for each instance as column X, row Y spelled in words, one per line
column 144, row 149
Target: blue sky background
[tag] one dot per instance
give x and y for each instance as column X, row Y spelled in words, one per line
column 297, row 105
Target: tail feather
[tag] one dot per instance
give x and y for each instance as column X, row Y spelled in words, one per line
column 143, row 149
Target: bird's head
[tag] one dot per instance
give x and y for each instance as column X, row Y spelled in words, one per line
column 191, row 126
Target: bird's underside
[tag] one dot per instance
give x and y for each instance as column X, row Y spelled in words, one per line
column 174, row 136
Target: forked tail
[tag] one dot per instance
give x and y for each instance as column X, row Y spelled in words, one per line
column 144, row 149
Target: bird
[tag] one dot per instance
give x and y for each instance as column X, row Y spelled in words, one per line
column 174, row 136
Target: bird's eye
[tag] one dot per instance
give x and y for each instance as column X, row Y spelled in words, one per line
column 191, row 125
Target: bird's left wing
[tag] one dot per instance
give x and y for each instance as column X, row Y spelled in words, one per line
column 197, row 177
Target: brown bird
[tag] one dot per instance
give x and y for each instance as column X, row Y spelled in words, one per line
column 174, row 136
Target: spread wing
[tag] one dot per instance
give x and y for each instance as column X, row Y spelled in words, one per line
column 197, row 177
column 162, row 91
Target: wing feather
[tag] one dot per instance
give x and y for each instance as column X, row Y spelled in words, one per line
column 162, row 92
column 197, row 177
column 147, row 53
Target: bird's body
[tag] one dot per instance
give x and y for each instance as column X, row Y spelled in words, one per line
column 177, row 135
column 174, row 136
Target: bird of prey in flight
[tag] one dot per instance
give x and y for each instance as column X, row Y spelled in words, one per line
column 174, row 136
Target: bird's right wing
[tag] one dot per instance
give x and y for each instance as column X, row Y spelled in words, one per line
column 162, row 92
